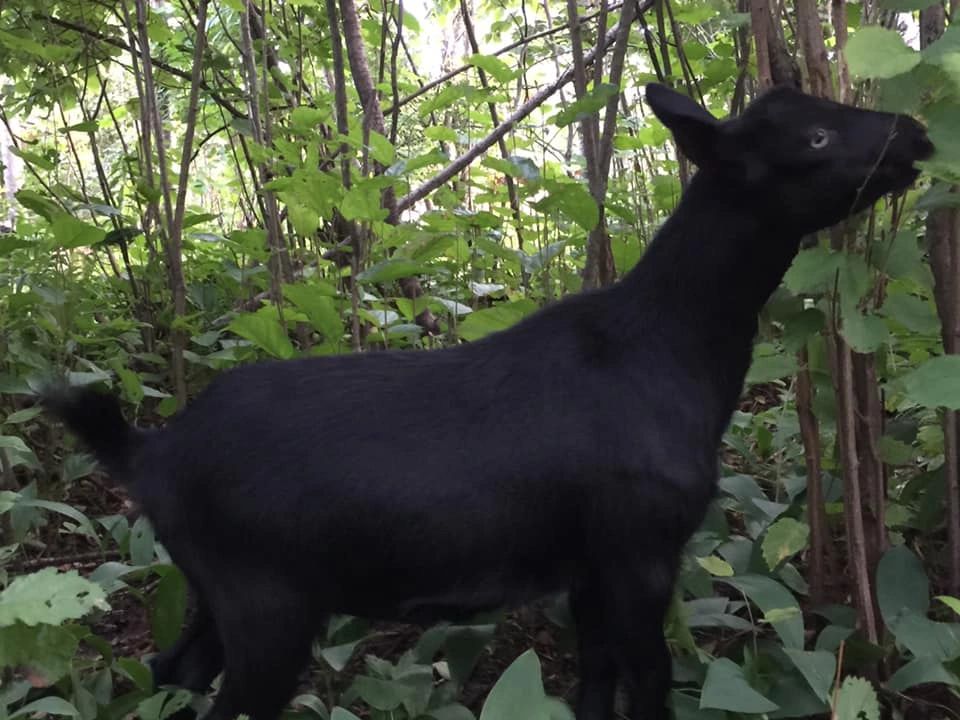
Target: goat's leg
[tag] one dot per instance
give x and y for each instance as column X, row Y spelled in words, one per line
column 598, row 669
column 266, row 642
column 639, row 601
column 195, row 659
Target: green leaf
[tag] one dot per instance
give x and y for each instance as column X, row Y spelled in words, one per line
column 72, row 233
column 83, row 522
column 902, row 585
column 440, row 133
column 818, row 669
column 572, row 200
column 778, row 605
column 726, row 688
column 875, row 52
column 47, row 650
column 47, row 706
column 389, row 270
column 169, row 607
column 12, row 442
column 895, row 452
column 813, row 271
column 381, row 694
column 864, row 333
column 590, row 103
column 493, row 66
column 264, row 330
column 381, row 149
column 767, row 368
column 951, row 602
column 362, row 202
column 319, row 307
column 22, row 416
column 501, row 316
column 785, row 538
column 42, row 206
column 920, row 671
column 89, row 126
column 518, row 693
column 718, row 567
column 340, row 714
column 857, row 700
column 914, row 314
column 926, row 638
column 935, row 383
column 49, row 597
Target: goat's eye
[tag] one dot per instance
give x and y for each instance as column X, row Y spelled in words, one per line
column 820, row 139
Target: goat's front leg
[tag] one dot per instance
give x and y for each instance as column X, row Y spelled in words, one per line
column 598, row 667
column 639, row 596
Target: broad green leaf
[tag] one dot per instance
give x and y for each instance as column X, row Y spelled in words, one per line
column 47, row 706
column 362, row 202
column 72, row 233
column 813, row 271
column 857, row 700
column 12, row 442
column 499, row 317
column 389, row 270
column 340, row 714
column 914, row 314
column 718, row 567
column 168, row 607
column 895, row 452
column 22, row 416
column 785, row 538
column 935, row 383
column 381, row 694
column 49, row 597
column 926, row 638
column 493, row 66
column 264, row 330
column 319, row 307
column 726, row 688
column 818, row 669
column 902, row 585
column 454, row 711
column 380, row 148
column 591, row 102
column 440, row 133
column 83, row 522
column 767, row 368
column 779, row 606
column 951, row 602
column 47, row 650
column 920, row 671
column 864, row 333
column 42, row 206
column 875, row 52
column 573, row 201
column 518, row 693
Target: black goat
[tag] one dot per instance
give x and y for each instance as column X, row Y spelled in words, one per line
column 576, row 450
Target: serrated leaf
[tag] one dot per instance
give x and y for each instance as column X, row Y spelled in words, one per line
column 935, row 383
column 785, row 538
column 590, row 103
column 857, row 700
column 381, row 149
column 766, row 368
column 47, row 650
column 726, row 688
column 573, row 201
column 813, row 271
column 483, row 322
column 319, row 307
column 875, row 52
column 392, row 269
column 49, row 597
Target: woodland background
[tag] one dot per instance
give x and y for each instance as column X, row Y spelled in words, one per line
column 195, row 184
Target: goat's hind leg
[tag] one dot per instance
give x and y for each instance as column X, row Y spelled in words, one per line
column 597, row 664
column 267, row 638
column 639, row 598
column 195, row 659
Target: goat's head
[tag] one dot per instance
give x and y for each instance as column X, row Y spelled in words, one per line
column 807, row 161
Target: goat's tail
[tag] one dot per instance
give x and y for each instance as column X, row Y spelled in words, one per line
column 96, row 419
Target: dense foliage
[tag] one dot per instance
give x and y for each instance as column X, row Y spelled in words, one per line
column 195, row 185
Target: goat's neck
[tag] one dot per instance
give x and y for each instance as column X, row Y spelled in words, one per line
column 715, row 262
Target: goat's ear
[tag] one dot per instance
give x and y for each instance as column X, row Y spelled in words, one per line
column 696, row 131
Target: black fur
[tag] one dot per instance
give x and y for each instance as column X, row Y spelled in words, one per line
column 576, row 450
